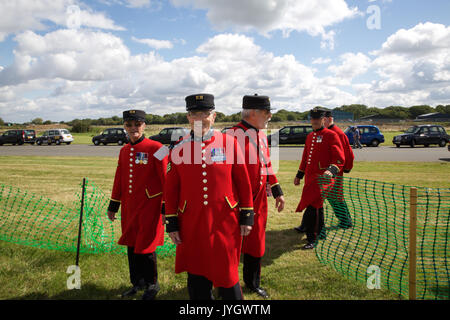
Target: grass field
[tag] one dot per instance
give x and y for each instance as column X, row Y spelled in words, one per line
column 288, row 272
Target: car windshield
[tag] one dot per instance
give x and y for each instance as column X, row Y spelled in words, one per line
column 29, row 131
column 64, row 131
column 412, row 130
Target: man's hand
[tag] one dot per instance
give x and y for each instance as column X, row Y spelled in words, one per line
column 279, row 203
column 328, row 173
column 245, row 230
column 175, row 236
column 296, row 181
column 111, row 215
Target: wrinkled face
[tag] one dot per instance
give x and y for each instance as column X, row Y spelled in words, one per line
column 201, row 121
column 135, row 129
column 262, row 118
column 317, row 123
column 327, row 121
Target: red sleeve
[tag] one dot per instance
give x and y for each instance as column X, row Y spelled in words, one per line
column 241, row 180
column 171, row 189
column 349, row 156
column 302, row 166
column 116, row 191
column 336, row 151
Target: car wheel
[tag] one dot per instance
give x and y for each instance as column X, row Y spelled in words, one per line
column 397, row 145
column 96, row 142
column 442, row 143
column 375, row 143
column 68, row 143
column 120, row 142
column 58, row 142
column 38, row 142
column 413, row 143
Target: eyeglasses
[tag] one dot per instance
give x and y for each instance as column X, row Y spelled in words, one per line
column 136, row 124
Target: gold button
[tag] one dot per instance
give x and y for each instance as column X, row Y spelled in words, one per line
column 205, row 189
column 204, row 173
column 203, row 165
column 205, row 203
column 205, row 181
column 205, row 196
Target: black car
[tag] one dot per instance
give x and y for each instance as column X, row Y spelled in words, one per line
column 18, row 137
column 170, row 135
column 111, row 135
column 290, row 135
column 422, row 135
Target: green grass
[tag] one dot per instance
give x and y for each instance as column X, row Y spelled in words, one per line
column 287, row 273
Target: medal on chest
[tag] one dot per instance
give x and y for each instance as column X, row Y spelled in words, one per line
column 141, row 158
column 319, row 139
column 218, row 154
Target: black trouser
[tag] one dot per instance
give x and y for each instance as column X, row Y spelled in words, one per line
column 143, row 269
column 313, row 220
column 252, row 271
column 200, row 288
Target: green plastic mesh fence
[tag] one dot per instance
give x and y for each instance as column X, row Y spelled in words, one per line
column 33, row 220
column 367, row 231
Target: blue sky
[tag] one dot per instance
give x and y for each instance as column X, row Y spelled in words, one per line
column 150, row 54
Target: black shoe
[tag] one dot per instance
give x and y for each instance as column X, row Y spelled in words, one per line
column 151, row 292
column 259, row 291
column 300, row 229
column 130, row 292
column 309, row 246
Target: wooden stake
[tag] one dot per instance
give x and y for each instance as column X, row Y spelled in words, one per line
column 412, row 242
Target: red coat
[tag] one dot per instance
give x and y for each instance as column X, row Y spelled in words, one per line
column 322, row 149
column 205, row 187
column 260, row 172
column 138, row 185
column 348, row 151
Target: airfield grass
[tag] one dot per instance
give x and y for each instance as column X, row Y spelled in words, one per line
column 288, row 272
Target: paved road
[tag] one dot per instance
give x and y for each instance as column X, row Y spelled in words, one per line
column 383, row 153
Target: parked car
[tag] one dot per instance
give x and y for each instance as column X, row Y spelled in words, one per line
column 370, row 135
column 56, row 136
column 290, row 135
column 111, row 135
column 18, row 136
column 422, row 135
column 170, row 135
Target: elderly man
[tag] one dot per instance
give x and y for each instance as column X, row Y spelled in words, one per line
column 255, row 116
column 138, row 188
column 209, row 205
column 322, row 155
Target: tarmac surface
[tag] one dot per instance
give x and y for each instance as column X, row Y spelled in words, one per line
column 381, row 153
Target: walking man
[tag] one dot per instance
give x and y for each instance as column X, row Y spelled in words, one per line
column 255, row 116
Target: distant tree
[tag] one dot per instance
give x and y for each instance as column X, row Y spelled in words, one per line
column 443, row 109
column 47, row 122
column 416, row 111
column 2, row 123
column 37, row 121
column 395, row 112
column 80, row 126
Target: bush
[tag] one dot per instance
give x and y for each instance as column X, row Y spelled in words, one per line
column 81, row 126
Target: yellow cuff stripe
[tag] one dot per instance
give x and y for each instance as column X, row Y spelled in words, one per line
column 115, row 200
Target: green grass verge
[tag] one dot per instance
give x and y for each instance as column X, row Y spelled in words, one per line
column 287, row 273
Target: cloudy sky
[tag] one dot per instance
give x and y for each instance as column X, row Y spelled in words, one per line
column 66, row 59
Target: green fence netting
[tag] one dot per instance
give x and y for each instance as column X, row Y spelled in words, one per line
column 30, row 219
column 367, row 228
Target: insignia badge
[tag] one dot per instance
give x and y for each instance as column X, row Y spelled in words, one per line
column 319, row 139
column 141, row 158
column 198, row 97
column 218, row 155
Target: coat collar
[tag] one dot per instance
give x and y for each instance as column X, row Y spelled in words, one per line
column 138, row 141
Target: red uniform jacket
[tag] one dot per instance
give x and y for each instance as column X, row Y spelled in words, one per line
column 138, row 186
column 348, row 151
column 260, row 172
column 206, row 187
column 322, row 150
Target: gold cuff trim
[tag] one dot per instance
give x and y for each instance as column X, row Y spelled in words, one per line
column 275, row 184
column 115, row 200
column 184, row 207
column 231, row 206
column 171, row 215
column 152, row 196
column 246, row 208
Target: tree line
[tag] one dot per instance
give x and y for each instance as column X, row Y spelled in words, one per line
column 359, row 111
